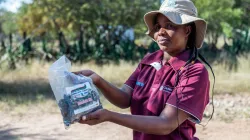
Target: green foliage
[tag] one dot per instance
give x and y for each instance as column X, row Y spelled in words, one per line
column 241, row 42
column 229, row 18
column 245, row 18
column 221, row 17
column 101, row 21
column 9, row 24
column 85, row 30
column 68, row 15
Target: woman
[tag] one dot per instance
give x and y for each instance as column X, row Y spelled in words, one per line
column 169, row 90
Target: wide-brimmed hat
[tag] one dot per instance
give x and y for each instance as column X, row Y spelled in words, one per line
column 179, row 12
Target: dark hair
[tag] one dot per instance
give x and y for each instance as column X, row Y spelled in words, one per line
column 194, row 55
column 192, row 35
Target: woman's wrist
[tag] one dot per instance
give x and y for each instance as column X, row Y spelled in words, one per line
column 95, row 78
column 109, row 115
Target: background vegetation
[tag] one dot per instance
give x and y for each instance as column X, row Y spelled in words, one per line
column 112, row 30
column 108, row 37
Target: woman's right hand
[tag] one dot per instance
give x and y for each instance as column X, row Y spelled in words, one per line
column 89, row 73
column 84, row 72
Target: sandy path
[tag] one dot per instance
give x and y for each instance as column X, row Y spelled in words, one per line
column 49, row 126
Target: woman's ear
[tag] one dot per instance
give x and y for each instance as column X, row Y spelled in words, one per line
column 188, row 30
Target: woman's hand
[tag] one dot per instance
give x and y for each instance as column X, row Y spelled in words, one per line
column 84, row 72
column 164, row 124
column 96, row 117
column 95, row 77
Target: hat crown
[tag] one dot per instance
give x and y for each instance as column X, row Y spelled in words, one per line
column 182, row 6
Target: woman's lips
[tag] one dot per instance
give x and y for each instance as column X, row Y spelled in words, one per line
column 163, row 41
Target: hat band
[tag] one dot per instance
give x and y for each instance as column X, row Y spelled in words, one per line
column 178, row 10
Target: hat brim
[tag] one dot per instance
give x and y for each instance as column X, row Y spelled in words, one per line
column 178, row 19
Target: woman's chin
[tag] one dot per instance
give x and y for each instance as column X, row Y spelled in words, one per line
column 167, row 50
column 164, row 48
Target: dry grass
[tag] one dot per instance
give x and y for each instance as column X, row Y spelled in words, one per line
column 233, row 82
column 27, row 88
column 116, row 74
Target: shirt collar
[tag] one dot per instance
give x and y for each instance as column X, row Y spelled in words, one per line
column 176, row 62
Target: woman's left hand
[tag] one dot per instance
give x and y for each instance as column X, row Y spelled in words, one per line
column 96, row 117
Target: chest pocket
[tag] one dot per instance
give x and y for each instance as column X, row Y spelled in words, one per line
column 143, row 80
column 158, row 98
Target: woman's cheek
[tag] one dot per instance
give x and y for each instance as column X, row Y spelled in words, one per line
column 155, row 36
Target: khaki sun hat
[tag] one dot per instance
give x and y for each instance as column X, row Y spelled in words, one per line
column 179, row 12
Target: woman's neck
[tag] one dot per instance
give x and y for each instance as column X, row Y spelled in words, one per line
column 165, row 58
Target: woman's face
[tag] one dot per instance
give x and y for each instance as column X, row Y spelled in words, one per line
column 171, row 38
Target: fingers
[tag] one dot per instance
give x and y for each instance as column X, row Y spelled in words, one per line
column 91, row 122
column 84, row 72
column 77, row 72
column 89, row 73
column 84, row 120
column 90, row 119
column 91, row 116
column 96, row 117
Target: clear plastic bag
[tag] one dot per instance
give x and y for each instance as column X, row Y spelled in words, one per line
column 76, row 95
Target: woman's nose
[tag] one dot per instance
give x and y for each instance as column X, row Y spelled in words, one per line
column 162, row 31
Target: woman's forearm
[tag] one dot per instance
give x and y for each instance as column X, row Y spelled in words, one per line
column 115, row 95
column 146, row 124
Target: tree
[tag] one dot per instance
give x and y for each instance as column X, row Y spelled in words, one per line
column 221, row 17
column 103, row 21
column 8, row 21
column 72, row 14
column 245, row 17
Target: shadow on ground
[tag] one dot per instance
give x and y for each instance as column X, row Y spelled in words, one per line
column 28, row 90
column 11, row 134
column 5, row 134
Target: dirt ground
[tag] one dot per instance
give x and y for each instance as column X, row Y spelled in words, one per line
column 50, row 127
column 231, row 121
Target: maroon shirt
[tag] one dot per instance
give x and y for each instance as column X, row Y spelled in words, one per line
column 153, row 84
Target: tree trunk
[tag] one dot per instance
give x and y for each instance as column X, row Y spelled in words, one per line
column 81, row 39
column 64, row 46
column 10, row 39
column 3, row 44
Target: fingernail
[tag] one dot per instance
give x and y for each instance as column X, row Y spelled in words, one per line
column 84, row 118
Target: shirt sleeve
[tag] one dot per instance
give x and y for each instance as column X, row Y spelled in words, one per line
column 131, row 82
column 192, row 92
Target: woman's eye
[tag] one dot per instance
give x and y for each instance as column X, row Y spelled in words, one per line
column 157, row 27
column 169, row 26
